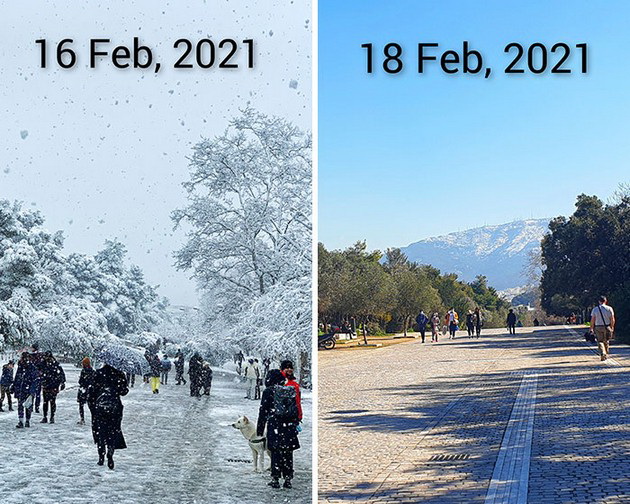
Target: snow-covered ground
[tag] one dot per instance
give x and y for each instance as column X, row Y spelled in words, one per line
column 180, row 450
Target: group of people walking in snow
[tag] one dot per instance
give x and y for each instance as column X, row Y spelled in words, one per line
column 38, row 375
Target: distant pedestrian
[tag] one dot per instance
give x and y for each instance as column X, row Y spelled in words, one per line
column 195, row 374
column 206, row 378
column 478, row 319
column 470, row 323
column 24, row 389
column 85, row 380
column 179, row 368
column 131, row 379
column 5, row 384
column 53, row 381
column 251, row 374
column 103, row 399
column 422, row 321
column 603, row 325
column 37, row 359
column 266, row 365
column 166, row 369
column 453, row 322
column 435, row 327
column 278, row 412
column 259, row 379
column 156, row 371
column 511, row 321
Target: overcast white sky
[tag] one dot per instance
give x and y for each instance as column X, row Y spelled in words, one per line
column 105, row 149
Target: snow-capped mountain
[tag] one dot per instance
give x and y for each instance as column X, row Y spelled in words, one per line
column 498, row 252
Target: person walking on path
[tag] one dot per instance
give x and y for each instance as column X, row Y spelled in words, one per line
column 166, row 369
column 453, row 322
column 603, row 325
column 286, row 366
column 103, row 398
column 206, row 378
column 37, row 358
column 85, row 380
column 511, row 321
column 179, row 368
column 279, row 414
column 478, row 319
column 131, row 379
column 194, row 372
column 435, row 327
column 53, row 380
column 470, row 323
column 422, row 321
column 156, row 371
column 252, row 375
column 5, row 384
column 24, row 389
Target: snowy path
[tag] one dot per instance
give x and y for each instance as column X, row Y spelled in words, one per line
column 179, row 451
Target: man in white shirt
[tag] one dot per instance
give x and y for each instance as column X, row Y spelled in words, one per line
column 603, row 325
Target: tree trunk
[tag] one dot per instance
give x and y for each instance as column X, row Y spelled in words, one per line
column 365, row 331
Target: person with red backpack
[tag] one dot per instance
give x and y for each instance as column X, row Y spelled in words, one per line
column 286, row 366
column 279, row 414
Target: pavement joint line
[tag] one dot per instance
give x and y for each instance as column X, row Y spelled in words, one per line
column 610, row 361
column 510, row 478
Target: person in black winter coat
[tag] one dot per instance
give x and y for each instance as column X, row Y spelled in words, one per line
column 282, row 433
column 179, row 368
column 103, row 399
column 53, row 380
column 511, row 321
column 85, row 380
column 5, row 384
column 206, row 378
column 24, row 388
column 195, row 373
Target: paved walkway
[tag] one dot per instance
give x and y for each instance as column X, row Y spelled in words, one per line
column 533, row 418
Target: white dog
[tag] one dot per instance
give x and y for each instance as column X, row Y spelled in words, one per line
column 258, row 445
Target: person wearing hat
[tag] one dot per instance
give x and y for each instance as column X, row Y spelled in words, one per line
column 278, row 413
column 85, row 379
column 286, row 367
column 5, row 384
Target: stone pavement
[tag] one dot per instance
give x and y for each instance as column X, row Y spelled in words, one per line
column 533, row 418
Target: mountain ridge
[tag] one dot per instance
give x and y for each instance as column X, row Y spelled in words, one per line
column 500, row 252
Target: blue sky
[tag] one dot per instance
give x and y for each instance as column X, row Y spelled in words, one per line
column 410, row 156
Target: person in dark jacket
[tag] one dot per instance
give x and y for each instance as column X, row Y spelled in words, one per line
column 166, row 369
column 478, row 319
column 282, row 433
column 5, row 384
column 53, row 380
column 179, row 368
column 85, row 380
column 156, row 371
column 24, row 389
column 511, row 321
column 103, row 398
column 37, row 359
column 206, row 378
column 470, row 323
column 194, row 372
column 422, row 320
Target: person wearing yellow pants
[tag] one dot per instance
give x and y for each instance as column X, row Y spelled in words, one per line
column 156, row 368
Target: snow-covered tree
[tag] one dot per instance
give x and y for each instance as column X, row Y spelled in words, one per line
column 67, row 303
column 249, row 209
column 249, row 212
